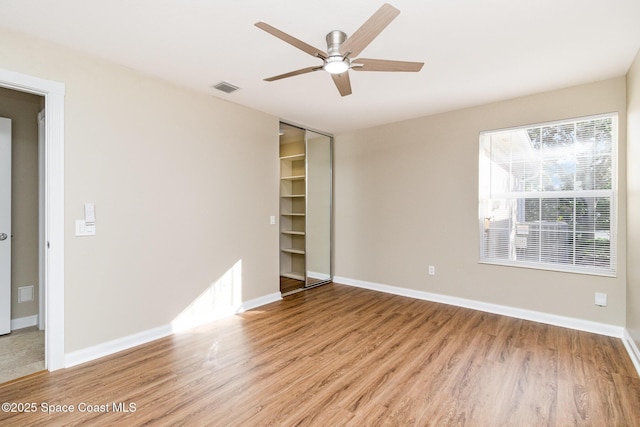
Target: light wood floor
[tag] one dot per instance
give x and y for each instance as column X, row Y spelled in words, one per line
column 337, row 355
column 21, row 353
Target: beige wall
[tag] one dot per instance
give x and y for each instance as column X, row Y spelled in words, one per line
column 406, row 196
column 633, row 201
column 22, row 109
column 183, row 184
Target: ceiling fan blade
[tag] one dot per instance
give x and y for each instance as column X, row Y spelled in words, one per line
column 293, row 73
column 313, row 51
column 342, row 83
column 369, row 30
column 385, row 65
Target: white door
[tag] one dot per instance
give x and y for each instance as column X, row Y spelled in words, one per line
column 5, row 226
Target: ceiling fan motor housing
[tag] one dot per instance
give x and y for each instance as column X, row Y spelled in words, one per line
column 334, row 39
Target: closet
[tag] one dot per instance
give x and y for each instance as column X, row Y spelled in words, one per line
column 305, row 208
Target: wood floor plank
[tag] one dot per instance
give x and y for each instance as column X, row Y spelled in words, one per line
column 338, row 355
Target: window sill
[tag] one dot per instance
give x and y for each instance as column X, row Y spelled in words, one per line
column 556, row 268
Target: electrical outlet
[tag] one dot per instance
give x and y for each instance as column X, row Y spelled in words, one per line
column 432, row 270
column 601, row 299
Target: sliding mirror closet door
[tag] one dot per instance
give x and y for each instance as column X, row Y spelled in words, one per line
column 305, row 208
column 318, row 211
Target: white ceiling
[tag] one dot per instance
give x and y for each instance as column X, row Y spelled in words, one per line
column 475, row 51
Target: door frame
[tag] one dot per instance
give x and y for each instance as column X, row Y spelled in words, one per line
column 5, row 226
column 53, row 93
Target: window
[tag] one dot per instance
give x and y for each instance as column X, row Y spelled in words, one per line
column 547, row 196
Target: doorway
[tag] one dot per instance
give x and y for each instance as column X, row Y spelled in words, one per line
column 53, row 239
column 21, row 208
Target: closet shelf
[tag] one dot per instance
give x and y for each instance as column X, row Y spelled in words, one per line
column 291, row 214
column 293, row 251
column 293, row 275
column 293, row 157
column 292, row 195
column 297, row 233
column 292, row 178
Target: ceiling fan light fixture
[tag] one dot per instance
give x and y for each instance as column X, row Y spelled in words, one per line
column 336, row 65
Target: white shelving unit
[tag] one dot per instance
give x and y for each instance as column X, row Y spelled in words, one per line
column 292, row 209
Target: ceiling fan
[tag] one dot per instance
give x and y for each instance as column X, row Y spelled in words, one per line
column 340, row 49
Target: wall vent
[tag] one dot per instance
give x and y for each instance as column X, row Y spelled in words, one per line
column 25, row 293
column 226, row 87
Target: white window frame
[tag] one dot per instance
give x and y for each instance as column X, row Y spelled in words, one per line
column 485, row 196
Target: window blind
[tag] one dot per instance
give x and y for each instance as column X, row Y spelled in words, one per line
column 547, row 195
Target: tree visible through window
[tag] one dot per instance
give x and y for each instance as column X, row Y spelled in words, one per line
column 547, row 195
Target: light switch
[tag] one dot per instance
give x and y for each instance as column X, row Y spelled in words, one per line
column 272, row 220
column 89, row 213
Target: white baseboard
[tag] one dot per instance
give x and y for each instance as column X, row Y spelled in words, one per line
column 24, row 322
column 119, row 344
column 260, row 301
column 519, row 313
column 632, row 349
column 124, row 343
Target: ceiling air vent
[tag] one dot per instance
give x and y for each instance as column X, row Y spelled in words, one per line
column 226, row 87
